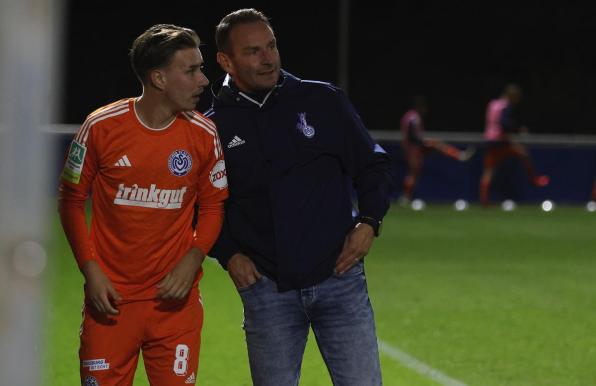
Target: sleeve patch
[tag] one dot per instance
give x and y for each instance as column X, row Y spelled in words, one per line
column 74, row 162
column 218, row 176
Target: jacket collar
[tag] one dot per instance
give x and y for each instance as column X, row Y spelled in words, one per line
column 225, row 93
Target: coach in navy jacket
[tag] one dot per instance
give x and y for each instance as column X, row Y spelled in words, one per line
column 292, row 156
column 295, row 152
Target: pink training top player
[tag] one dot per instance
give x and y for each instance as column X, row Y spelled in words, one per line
column 494, row 130
column 412, row 128
column 501, row 120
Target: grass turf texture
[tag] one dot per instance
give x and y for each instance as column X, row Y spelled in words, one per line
column 485, row 296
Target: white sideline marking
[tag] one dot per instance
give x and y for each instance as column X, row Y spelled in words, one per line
column 417, row 365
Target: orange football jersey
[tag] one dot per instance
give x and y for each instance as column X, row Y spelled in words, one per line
column 144, row 185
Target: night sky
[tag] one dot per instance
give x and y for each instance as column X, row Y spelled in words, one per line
column 458, row 56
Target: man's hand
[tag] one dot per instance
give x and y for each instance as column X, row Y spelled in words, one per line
column 99, row 289
column 177, row 283
column 242, row 270
column 356, row 246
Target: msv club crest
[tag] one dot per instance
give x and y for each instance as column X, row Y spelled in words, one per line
column 304, row 127
column 90, row 381
column 180, row 163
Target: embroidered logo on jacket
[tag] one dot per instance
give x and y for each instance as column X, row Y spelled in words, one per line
column 304, row 127
column 180, row 163
column 151, row 197
column 236, row 141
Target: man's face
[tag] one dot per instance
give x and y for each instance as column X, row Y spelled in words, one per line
column 184, row 79
column 252, row 58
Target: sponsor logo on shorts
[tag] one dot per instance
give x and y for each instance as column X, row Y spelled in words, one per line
column 191, row 379
column 90, row 381
column 95, row 365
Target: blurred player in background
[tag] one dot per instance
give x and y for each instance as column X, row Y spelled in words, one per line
column 147, row 161
column 416, row 147
column 502, row 119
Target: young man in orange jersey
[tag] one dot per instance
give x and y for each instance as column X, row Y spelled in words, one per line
column 148, row 161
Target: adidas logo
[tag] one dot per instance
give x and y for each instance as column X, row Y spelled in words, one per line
column 191, row 379
column 236, row 141
column 123, row 161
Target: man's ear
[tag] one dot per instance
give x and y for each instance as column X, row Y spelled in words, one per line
column 224, row 62
column 158, row 79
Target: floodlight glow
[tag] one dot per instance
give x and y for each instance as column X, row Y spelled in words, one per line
column 508, row 205
column 460, row 205
column 418, row 204
column 548, row 205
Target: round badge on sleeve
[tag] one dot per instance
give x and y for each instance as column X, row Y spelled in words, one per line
column 180, row 163
column 218, row 176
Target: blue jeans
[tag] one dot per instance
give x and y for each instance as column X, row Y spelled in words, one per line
column 339, row 311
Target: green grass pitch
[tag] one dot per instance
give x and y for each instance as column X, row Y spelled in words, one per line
column 487, row 297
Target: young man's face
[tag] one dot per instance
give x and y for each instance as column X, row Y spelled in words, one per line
column 252, row 59
column 184, row 79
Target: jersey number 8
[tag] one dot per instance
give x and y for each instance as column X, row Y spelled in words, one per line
column 181, row 362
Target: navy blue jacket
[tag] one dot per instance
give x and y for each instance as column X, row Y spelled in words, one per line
column 293, row 163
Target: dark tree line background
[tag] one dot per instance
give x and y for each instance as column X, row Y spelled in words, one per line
column 459, row 55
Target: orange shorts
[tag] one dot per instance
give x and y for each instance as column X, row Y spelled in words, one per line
column 167, row 332
column 414, row 155
column 499, row 151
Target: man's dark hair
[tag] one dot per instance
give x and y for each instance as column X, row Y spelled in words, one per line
column 241, row 16
column 155, row 47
